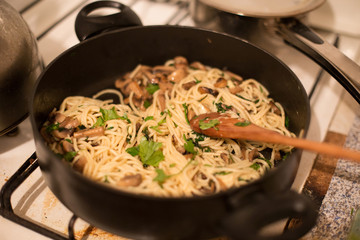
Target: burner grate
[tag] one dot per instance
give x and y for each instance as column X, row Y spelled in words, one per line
column 7, row 211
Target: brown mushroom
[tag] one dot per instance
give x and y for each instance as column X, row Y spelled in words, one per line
column 92, row 132
column 188, row 85
column 225, row 157
column 198, row 65
column 180, row 62
column 163, row 69
column 67, row 146
column 79, row 165
column 253, row 154
column 205, row 90
column 177, row 75
column 221, row 82
column 236, row 89
column 274, row 108
column 132, row 180
column 161, row 98
column 234, row 76
column 134, row 87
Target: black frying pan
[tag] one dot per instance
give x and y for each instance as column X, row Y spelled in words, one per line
column 94, row 64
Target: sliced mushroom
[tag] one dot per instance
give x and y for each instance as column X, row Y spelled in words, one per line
column 190, row 114
column 67, row 146
column 253, row 154
column 188, row 85
column 69, row 123
column 221, row 82
column 225, row 157
column 236, row 89
column 234, row 76
column 166, row 86
column 198, row 65
column 205, row 90
column 134, row 87
column 177, row 75
column 79, row 165
column 163, row 69
column 161, row 98
column 92, row 132
column 59, row 117
column 133, row 180
column 62, row 133
column 151, row 77
column 274, row 108
column 180, row 62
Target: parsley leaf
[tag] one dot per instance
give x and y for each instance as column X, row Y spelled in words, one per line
column 150, row 153
column 189, row 145
column 206, row 125
column 186, row 110
column 255, row 166
column 221, row 108
column 107, row 115
column 243, row 123
column 152, row 88
column 161, row 176
column 133, row 151
column 69, row 156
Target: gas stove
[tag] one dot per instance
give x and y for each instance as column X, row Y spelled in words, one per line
column 32, row 212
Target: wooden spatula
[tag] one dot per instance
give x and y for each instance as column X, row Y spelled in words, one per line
column 222, row 126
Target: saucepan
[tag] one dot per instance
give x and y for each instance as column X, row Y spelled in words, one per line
column 101, row 57
column 262, row 21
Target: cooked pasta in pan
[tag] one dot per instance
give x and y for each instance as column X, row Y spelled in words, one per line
column 144, row 143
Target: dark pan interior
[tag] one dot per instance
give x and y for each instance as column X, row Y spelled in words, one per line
column 94, row 65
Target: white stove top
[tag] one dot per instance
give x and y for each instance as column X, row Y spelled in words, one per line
column 52, row 22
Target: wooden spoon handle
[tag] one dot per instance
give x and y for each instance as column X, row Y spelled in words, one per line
column 226, row 128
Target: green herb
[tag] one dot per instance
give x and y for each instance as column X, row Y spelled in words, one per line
column 109, row 128
column 107, row 115
column 202, row 98
column 197, row 80
column 68, row 140
column 99, row 122
column 152, row 88
column 222, row 173
column 149, row 118
column 69, row 156
column 147, row 103
column 161, row 176
column 255, row 166
column 81, row 127
column 189, row 145
column 106, row 180
column 133, row 151
column 287, row 120
column 243, row 123
column 243, row 98
column 206, row 125
column 125, row 117
column 52, row 127
column 221, row 108
column 150, row 153
column 146, row 133
column 186, row 110
column 172, row 165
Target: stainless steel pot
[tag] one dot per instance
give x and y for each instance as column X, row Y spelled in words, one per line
column 20, row 65
column 264, row 25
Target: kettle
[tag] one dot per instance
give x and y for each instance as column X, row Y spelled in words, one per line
column 20, row 65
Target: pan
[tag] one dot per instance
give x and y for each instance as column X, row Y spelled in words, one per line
column 261, row 21
column 101, row 57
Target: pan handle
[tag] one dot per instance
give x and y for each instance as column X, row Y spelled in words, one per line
column 247, row 221
column 87, row 26
column 342, row 68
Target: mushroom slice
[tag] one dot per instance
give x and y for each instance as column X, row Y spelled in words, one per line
column 236, row 89
column 253, row 154
column 204, row 90
column 221, row 83
column 234, row 76
column 132, row 180
column 67, row 146
column 92, row 132
column 197, row 65
column 180, row 62
column 79, row 165
column 161, row 98
column 188, row 85
column 134, row 87
column 225, row 157
column 177, row 75
column 275, row 109
column 163, row 69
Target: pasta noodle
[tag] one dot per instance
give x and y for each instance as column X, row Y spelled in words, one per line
column 146, row 145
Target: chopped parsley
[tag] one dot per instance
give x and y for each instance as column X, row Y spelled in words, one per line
column 255, row 166
column 221, row 108
column 148, row 118
column 243, row 123
column 152, row 88
column 189, row 145
column 186, row 110
column 161, row 176
column 69, row 156
column 109, row 115
column 206, row 125
column 147, row 103
column 148, row 151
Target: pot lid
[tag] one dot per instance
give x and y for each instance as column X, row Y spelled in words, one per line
column 265, row 8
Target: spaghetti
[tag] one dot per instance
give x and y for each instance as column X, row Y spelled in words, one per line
column 145, row 144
